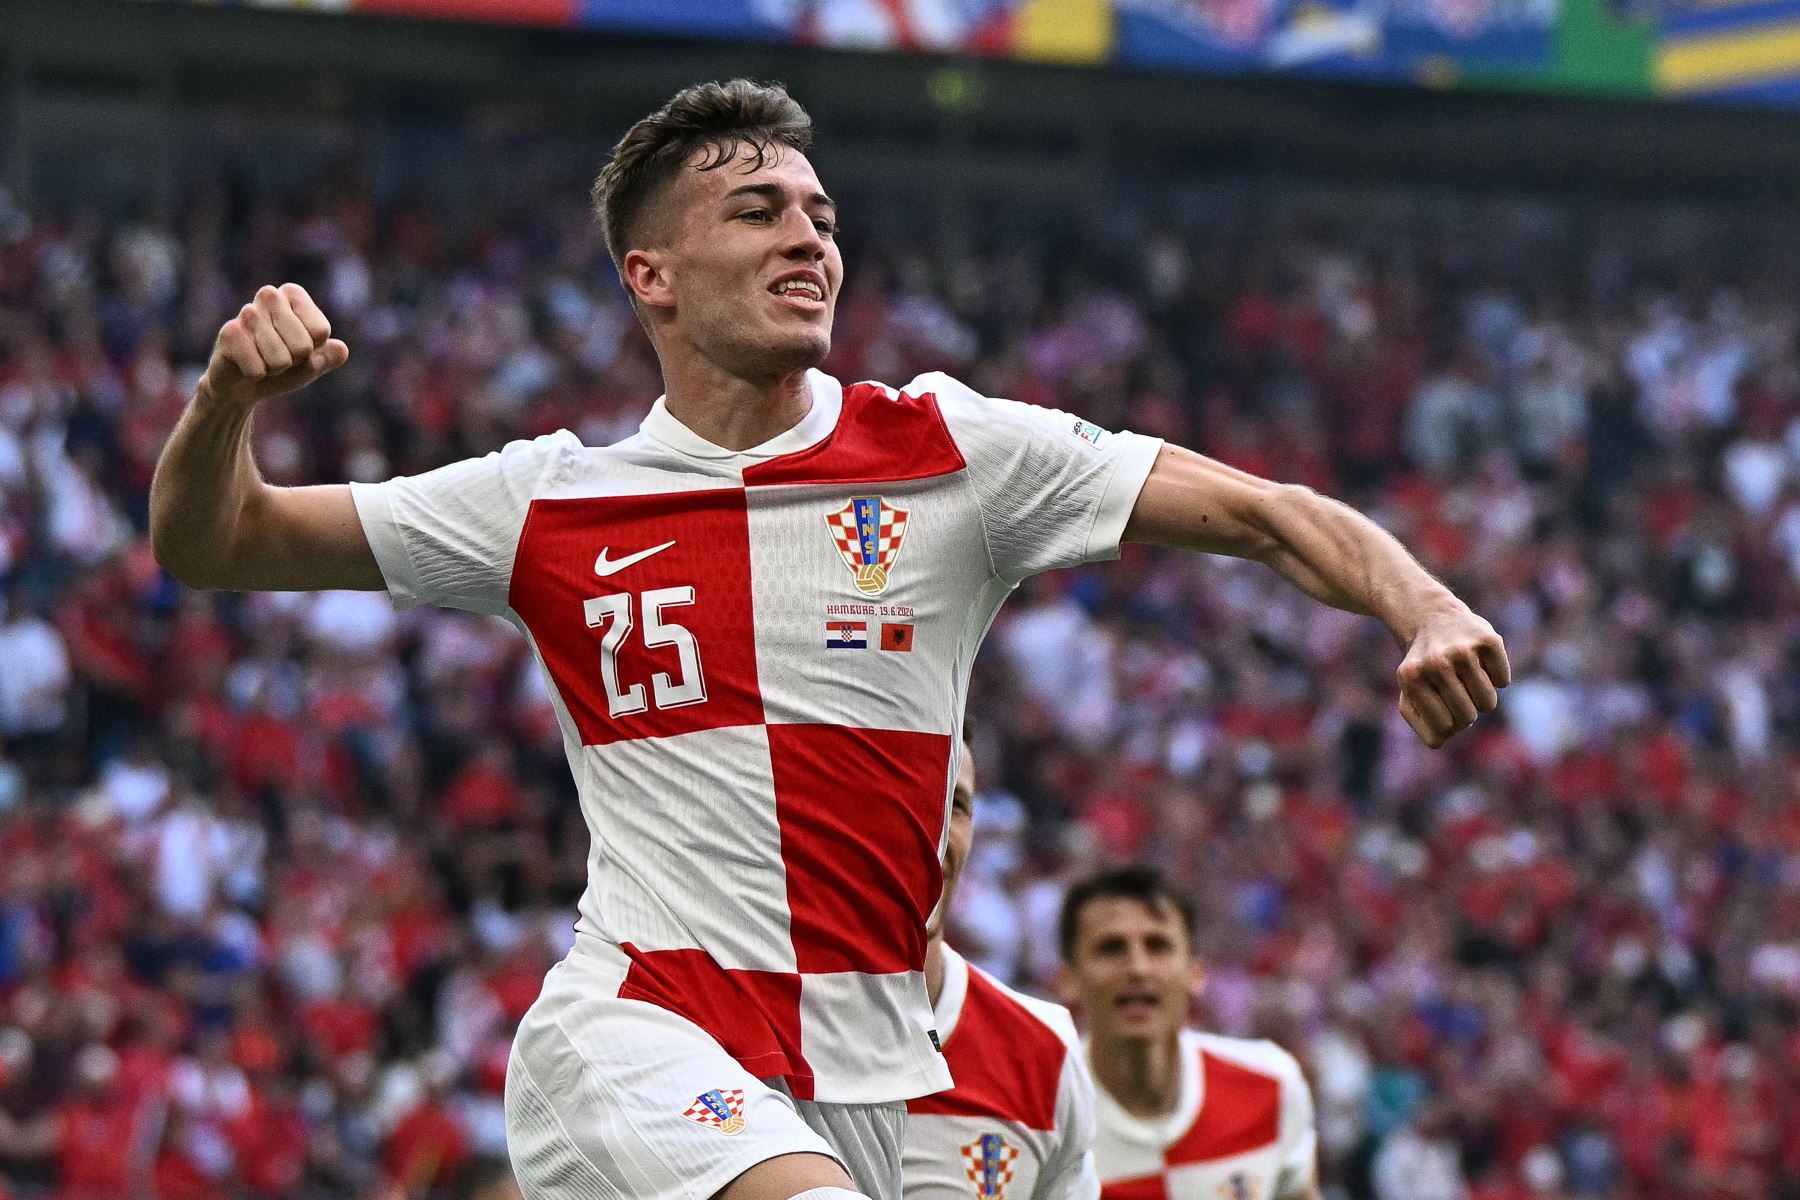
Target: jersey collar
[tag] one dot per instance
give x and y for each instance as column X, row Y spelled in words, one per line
column 814, row 427
column 1158, row 1131
column 948, row 1009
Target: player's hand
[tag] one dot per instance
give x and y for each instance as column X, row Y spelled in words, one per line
column 278, row 343
column 1451, row 674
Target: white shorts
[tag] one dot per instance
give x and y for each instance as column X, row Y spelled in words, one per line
column 610, row 1099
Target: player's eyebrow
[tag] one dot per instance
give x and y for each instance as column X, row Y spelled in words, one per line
column 774, row 191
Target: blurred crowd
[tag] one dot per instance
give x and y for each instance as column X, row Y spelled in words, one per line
column 279, row 874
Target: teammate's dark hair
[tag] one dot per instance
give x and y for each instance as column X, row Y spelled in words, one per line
column 723, row 116
column 1138, row 881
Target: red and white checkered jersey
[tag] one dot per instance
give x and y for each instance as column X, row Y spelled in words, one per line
column 1019, row 1122
column 1242, row 1129
column 760, row 709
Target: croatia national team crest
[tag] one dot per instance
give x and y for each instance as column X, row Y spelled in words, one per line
column 1241, row 1186
column 720, row 1110
column 989, row 1161
column 868, row 532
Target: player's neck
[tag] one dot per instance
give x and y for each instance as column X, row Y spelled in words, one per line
column 730, row 411
column 934, row 969
column 1142, row 1074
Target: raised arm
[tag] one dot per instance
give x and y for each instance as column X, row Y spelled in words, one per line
column 1454, row 660
column 214, row 522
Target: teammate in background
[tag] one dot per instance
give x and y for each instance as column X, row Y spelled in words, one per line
column 1020, row 1120
column 756, row 617
column 1182, row 1115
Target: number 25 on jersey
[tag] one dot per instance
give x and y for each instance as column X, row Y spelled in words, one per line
column 614, row 612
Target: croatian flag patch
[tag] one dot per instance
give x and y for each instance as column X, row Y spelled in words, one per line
column 846, row 635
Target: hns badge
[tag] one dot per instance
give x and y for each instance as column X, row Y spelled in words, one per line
column 720, row 1110
column 1240, row 1186
column 989, row 1163
column 868, row 533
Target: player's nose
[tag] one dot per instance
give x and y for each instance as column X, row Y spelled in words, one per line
column 800, row 237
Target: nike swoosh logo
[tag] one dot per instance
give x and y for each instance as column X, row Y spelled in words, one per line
column 603, row 568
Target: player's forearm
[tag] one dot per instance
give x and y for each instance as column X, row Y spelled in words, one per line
column 204, row 482
column 1336, row 555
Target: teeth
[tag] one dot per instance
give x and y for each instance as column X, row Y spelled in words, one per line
column 802, row 287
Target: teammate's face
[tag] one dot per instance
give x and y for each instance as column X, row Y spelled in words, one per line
column 744, row 238
column 1131, row 971
column 962, row 836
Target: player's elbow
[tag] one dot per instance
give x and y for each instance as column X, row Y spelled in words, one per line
column 171, row 545
column 185, row 562
column 195, row 557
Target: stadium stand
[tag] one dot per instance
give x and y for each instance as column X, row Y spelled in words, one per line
column 279, row 874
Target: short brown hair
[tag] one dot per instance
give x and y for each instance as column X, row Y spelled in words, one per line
column 724, row 116
column 1136, row 881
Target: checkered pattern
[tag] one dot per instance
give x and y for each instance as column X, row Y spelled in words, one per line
column 1246, row 1132
column 1020, row 1081
column 702, row 1113
column 989, row 1161
column 891, row 532
column 767, row 818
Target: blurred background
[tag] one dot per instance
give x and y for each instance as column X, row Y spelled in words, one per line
column 279, row 873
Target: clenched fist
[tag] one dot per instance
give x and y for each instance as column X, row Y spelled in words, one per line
column 278, row 343
column 1451, row 674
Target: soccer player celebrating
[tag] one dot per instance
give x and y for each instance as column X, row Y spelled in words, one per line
column 1182, row 1115
column 1018, row 1123
column 757, row 617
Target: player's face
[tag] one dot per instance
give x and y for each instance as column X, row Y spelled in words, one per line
column 962, row 836
column 1132, row 972
column 754, row 268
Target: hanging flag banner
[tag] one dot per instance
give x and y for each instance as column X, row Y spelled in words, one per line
column 1744, row 51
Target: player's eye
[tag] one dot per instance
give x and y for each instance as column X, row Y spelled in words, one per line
column 755, row 214
column 825, row 226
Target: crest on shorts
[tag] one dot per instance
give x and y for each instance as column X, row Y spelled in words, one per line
column 718, row 1109
column 989, row 1162
column 868, row 532
column 1241, row 1186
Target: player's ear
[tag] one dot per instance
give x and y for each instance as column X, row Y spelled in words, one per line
column 649, row 277
column 1198, row 984
column 1065, row 984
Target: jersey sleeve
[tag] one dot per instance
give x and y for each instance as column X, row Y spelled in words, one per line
column 448, row 537
column 1068, row 1172
column 1054, row 490
column 1299, row 1137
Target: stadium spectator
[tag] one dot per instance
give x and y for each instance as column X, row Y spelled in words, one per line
column 1588, row 912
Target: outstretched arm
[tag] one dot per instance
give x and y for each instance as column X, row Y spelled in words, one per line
column 214, row 522
column 1454, row 660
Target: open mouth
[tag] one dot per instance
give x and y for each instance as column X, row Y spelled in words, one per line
column 1136, row 1004
column 802, row 294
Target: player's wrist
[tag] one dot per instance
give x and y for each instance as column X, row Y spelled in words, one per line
column 225, row 403
column 1423, row 611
